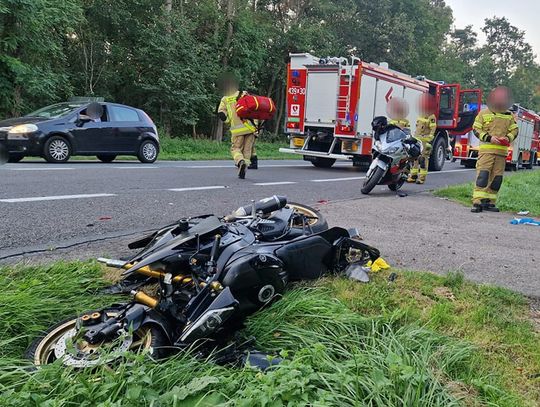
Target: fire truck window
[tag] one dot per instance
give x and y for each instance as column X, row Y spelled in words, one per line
column 468, row 102
column 537, row 126
column 446, row 103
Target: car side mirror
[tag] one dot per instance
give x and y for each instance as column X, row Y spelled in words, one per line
column 81, row 119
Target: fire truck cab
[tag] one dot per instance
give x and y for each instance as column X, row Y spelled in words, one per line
column 523, row 153
column 332, row 101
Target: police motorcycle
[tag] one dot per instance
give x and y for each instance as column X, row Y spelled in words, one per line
column 209, row 274
column 393, row 151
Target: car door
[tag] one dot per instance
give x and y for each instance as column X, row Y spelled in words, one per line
column 93, row 136
column 127, row 124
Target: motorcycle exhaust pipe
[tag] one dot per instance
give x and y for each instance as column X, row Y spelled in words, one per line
column 265, row 206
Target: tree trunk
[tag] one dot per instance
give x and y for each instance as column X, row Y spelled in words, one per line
column 281, row 104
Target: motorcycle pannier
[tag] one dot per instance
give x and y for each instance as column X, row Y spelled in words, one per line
column 255, row 107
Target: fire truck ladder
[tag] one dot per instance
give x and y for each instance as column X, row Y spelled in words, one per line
column 344, row 92
column 346, row 78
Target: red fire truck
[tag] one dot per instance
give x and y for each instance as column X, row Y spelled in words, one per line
column 332, row 101
column 523, row 153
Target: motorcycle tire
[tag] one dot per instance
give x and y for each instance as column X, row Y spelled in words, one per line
column 41, row 352
column 373, row 180
column 318, row 223
column 397, row 186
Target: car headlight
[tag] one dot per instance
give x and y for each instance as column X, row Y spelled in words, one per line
column 21, row 130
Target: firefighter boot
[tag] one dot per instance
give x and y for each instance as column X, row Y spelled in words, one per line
column 242, row 166
column 420, row 180
column 476, row 208
column 488, row 206
column 412, row 179
column 254, row 163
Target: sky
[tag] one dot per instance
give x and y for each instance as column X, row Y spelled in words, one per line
column 524, row 14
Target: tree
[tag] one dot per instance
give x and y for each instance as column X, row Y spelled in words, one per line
column 33, row 65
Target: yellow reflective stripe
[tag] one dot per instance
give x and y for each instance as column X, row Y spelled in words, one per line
column 512, row 127
column 414, row 171
column 493, row 147
column 423, row 172
column 483, row 194
column 257, row 103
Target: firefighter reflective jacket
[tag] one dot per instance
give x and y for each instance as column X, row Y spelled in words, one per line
column 489, row 124
column 401, row 123
column 239, row 127
column 425, row 128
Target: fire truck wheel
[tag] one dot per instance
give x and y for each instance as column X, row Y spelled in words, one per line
column 438, row 154
column 530, row 163
column 320, row 162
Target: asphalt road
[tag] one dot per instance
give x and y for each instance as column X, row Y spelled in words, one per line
column 46, row 206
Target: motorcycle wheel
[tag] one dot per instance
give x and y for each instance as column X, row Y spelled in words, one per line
column 317, row 222
column 372, row 181
column 52, row 345
column 397, row 186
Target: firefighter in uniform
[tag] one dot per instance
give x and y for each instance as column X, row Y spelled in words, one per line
column 496, row 128
column 426, row 125
column 242, row 131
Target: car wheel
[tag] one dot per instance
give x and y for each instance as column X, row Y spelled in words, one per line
column 106, row 158
column 15, row 158
column 148, row 152
column 438, row 155
column 57, row 150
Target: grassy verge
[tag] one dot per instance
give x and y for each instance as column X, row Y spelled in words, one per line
column 200, row 149
column 423, row 340
column 519, row 192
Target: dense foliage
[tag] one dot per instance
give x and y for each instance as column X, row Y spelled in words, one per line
column 165, row 55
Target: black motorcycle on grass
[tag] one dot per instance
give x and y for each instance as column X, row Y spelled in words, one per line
column 210, row 273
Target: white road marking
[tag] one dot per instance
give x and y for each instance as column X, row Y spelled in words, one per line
column 196, row 188
column 262, row 166
column 41, row 169
column 54, row 198
column 443, row 172
column 337, row 179
column 142, row 167
column 275, row 183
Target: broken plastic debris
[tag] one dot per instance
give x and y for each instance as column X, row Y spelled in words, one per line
column 322, row 202
column 378, row 265
column 357, row 272
column 105, row 218
column 523, row 213
column 525, row 221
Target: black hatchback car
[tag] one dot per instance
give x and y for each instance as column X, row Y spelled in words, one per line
column 103, row 129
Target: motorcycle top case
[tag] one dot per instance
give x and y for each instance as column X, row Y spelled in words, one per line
column 255, row 107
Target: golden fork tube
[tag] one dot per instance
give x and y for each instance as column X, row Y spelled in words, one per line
column 147, row 271
column 145, row 299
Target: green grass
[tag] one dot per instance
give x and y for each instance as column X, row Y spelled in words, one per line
column 423, row 340
column 520, row 191
column 202, row 149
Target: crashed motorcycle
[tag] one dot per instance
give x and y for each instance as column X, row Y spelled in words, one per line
column 393, row 151
column 210, row 274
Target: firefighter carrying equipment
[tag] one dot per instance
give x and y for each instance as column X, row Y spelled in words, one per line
column 253, row 107
column 401, row 123
column 425, row 132
column 491, row 157
column 489, row 124
column 238, row 126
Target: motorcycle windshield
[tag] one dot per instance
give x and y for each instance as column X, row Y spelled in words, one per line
column 395, row 134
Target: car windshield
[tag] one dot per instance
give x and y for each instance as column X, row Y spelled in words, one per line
column 395, row 135
column 55, row 111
